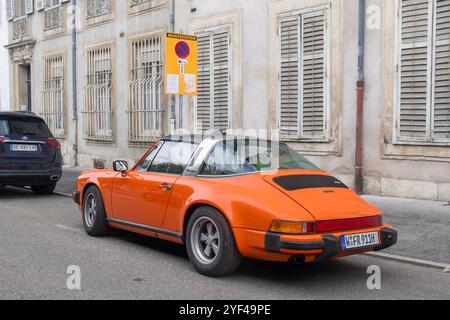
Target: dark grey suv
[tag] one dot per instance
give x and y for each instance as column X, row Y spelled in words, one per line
column 29, row 154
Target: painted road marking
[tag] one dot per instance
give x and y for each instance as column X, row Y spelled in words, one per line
column 67, row 228
column 419, row 262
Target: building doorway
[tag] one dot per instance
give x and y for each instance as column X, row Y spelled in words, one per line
column 24, row 88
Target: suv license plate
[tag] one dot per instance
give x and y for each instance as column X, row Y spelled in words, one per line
column 24, row 147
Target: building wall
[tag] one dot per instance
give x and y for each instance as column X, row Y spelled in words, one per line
column 390, row 168
column 4, row 59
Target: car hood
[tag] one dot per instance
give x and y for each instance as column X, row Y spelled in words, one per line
column 321, row 194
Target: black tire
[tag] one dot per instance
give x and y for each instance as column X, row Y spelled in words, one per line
column 95, row 226
column 44, row 189
column 228, row 257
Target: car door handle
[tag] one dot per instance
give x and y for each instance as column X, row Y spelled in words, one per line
column 166, row 187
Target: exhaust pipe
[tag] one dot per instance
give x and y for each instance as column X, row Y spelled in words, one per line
column 54, row 178
column 298, row 260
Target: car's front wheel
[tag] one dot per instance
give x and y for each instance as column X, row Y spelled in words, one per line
column 210, row 243
column 44, row 189
column 94, row 215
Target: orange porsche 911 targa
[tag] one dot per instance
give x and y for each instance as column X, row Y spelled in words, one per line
column 230, row 197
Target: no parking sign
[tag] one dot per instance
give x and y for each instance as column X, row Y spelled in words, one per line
column 181, row 64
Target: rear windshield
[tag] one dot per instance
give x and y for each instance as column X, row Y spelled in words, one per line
column 238, row 156
column 24, row 127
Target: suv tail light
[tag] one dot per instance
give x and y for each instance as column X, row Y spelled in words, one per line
column 53, row 143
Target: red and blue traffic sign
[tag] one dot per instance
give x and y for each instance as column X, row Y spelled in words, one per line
column 182, row 50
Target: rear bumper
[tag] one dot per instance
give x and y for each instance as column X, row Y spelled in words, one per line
column 29, row 178
column 313, row 248
column 330, row 245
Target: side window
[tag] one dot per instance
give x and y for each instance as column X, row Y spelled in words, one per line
column 173, row 157
column 4, row 128
column 145, row 164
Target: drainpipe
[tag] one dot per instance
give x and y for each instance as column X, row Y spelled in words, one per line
column 74, row 82
column 360, row 86
column 172, row 96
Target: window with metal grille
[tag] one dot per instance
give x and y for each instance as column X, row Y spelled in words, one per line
column 53, row 15
column 423, row 101
column 304, row 86
column 213, row 106
column 97, row 8
column 53, row 95
column 97, row 112
column 145, row 90
column 138, row 2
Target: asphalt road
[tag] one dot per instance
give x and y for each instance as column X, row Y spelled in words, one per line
column 40, row 236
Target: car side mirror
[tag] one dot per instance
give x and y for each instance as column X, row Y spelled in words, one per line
column 120, row 166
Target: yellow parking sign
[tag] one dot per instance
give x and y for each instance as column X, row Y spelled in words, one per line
column 181, row 64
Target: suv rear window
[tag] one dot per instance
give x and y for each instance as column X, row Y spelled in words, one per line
column 24, row 127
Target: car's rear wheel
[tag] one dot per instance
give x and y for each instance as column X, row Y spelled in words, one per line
column 94, row 215
column 210, row 243
column 44, row 189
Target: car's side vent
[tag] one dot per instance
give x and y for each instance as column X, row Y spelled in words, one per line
column 299, row 182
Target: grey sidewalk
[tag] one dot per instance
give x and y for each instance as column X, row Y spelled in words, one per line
column 424, row 226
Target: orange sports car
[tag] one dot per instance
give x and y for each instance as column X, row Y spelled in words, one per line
column 229, row 197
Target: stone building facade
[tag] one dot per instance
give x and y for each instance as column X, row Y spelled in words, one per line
column 285, row 65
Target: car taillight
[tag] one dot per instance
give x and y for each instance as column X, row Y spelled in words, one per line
column 349, row 224
column 53, row 143
column 293, row 227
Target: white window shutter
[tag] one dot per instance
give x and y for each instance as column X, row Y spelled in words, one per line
column 414, row 66
column 303, row 82
column 441, row 94
column 289, row 77
column 204, row 101
column 222, row 66
column 10, row 9
column 40, row 5
column 313, row 107
column 214, row 103
column 29, row 6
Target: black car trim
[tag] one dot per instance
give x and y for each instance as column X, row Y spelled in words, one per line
column 388, row 238
column 76, row 196
column 298, row 182
column 146, row 228
column 329, row 244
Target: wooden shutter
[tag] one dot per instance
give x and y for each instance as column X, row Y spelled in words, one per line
column 203, row 103
column 10, row 9
column 304, row 85
column 221, row 60
column 213, row 104
column 414, row 65
column 29, row 6
column 289, row 76
column 314, row 77
column 441, row 110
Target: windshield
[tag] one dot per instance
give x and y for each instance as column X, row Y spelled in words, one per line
column 24, row 127
column 238, row 156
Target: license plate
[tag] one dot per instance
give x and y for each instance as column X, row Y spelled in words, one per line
column 24, row 147
column 360, row 240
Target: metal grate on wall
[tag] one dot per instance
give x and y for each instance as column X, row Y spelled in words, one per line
column 145, row 108
column 97, row 111
column 53, row 102
column 97, row 8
